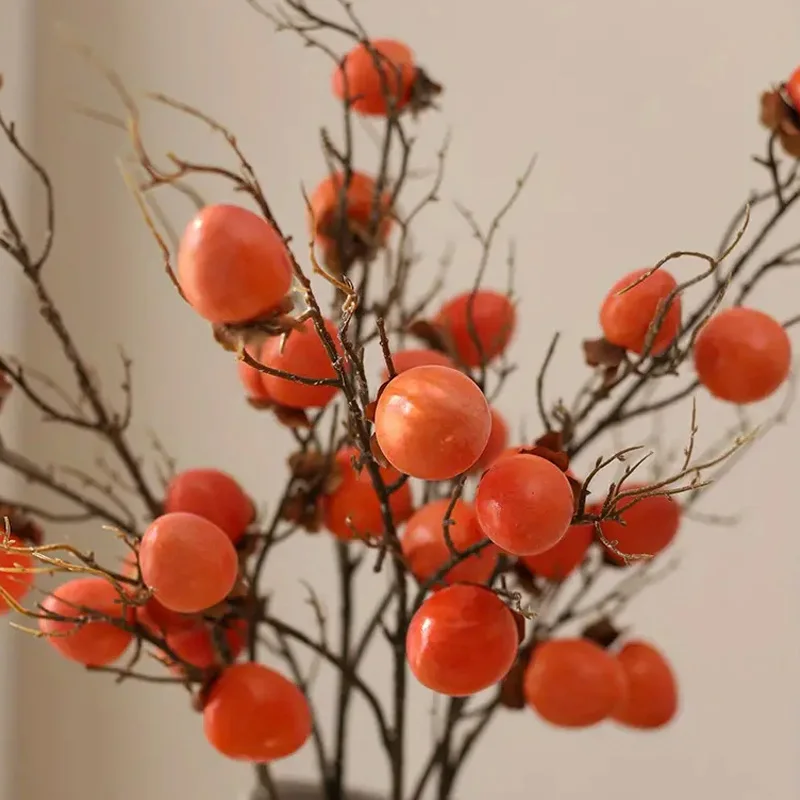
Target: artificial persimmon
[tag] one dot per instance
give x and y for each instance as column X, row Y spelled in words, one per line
column 151, row 615
column 17, row 581
column 301, row 353
column 97, row 636
column 648, row 526
column 627, row 314
column 479, row 325
column 496, row 446
column 432, row 422
column 403, row 360
column 426, row 550
column 651, row 699
column 255, row 714
column 187, row 561
column 250, row 378
column 793, row 89
column 524, row 504
column 573, row 683
column 160, row 620
column 366, row 213
column 197, row 645
column 563, row 558
column 742, row 355
column 375, row 76
column 353, row 509
column 213, row 495
column 233, row 266
column 461, row 640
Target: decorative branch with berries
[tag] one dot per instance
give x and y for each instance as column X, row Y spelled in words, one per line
column 494, row 547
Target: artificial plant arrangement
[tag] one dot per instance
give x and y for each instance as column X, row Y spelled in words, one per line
column 488, row 550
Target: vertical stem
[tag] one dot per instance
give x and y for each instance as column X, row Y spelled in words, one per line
column 266, row 788
column 400, row 675
column 346, row 571
column 447, row 771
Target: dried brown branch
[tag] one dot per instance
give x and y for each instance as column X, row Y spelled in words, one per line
column 105, row 422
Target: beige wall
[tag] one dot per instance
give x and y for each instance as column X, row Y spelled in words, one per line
column 15, row 59
column 644, row 116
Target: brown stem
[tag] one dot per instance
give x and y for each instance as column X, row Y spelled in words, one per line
column 347, row 568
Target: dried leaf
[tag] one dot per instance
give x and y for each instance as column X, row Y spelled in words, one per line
column 559, row 458
column 609, row 376
column 291, row 417
column 381, row 389
column 790, row 140
column 369, row 411
column 423, row 92
column 603, row 632
column 240, row 589
column 773, row 110
column 431, row 334
column 226, row 338
column 778, row 116
column 307, row 465
column 218, row 611
column 576, row 486
column 22, row 526
column 552, row 440
column 512, row 694
column 260, row 404
column 200, row 697
column 247, row 546
column 601, row 353
column 304, row 508
column 278, row 322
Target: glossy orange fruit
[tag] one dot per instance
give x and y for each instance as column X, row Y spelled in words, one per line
column 742, row 355
column 404, row 360
column 561, row 560
column 360, row 192
column 650, row 526
column 232, row 265
column 254, row 714
column 188, row 562
column 250, row 378
column 626, row 318
column 303, row 354
column 151, row 614
column 432, row 422
column 425, row 548
column 353, row 509
column 651, row 700
column 496, row 446
column 461, row 640
column 16, row 584
column 524, row 504
column 486, row 317
column 573, row 683
column 96, row 642
column 368, row 84
column 196, row 645
column 213, row 495
column 793, row 89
